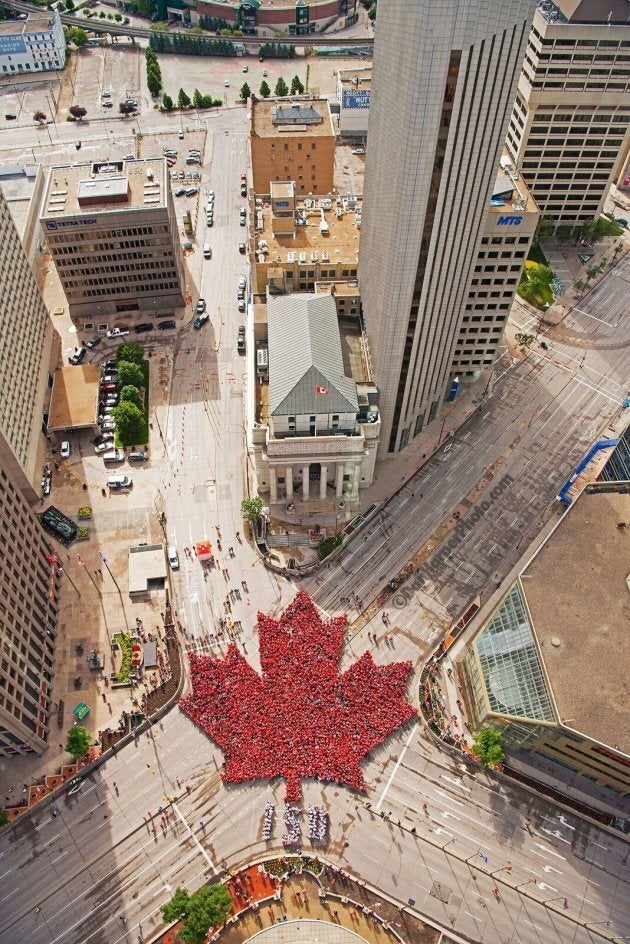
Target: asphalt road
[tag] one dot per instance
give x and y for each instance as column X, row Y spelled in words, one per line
column 99, row 862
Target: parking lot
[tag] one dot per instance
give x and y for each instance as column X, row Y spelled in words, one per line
column 116, row 69
column 24, row 99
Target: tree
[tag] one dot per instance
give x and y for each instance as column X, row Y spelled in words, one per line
column 130, row 394
column 39, row 116
column 487, row 747
column 281, row 88
column 130, row 424
column 197, row 98
column 134, row 353
column 251, row 508
column 592, row 271
column 4, row 819
column 579, row 286
column 206, row 908
column 78, row 741
column 130, row 374
column 176, row 908
column 245, row 92
column 125, row 108
column 545, row 229
column 69, row 5
column 296, row 86
column 78, row 112
column 167, row 102
column 154, row 82
column 264, row 90
column 183, row 100
column 524, row 341
column 78, row 36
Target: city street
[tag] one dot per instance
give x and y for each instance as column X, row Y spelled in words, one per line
column 100, row 870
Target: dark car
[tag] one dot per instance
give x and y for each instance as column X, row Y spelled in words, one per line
column 164, row 325
column 93, row 342
column 240, row 344
column 143, row 326
column 241, row 248
column 109, row 364
column 200, row 321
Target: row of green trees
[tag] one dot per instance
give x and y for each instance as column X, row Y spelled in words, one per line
column 193, row 45
column 281, row 89
column 129, row 413
column 213, row 23
column 154, row 73
column 277, row 51
column 206, row 908
column 185, row 101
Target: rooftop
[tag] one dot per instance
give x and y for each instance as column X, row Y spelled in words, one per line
column 306, row 368
column 510, row 192
column 74, row 399
column 577, row 12
column 579, row 599
column 147, row 567
column 36, row 23
column 339, row 244
column 283, row 117
column 90, row 188
column 356, row 78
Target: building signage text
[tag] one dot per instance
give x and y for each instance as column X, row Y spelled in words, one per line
column 510, row 220
column 58, row 224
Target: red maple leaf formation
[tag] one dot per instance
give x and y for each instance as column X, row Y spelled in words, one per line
column 301, row 717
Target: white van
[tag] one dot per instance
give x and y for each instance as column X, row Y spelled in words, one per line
column 119, row 481
column 207, row 251
column 114, row 455
column 173, row 557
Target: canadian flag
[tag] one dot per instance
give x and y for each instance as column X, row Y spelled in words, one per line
column 321, row 390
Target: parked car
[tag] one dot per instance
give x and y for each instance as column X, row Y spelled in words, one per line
column 242, row 282
column 103, row 446
column 78, row 356
column 107, row 104
column 193, row 160
column 241, row 331
column 241, row 248
column 240, row 293
column 108, row 388
column 241, row 305
column 194, row 152
column 173, row 557
column 65, row 450
column 93, row 342
column 243, row 190
column 358, row 150
column 191, row 191
column 226, row 83
column 103, row 438
column 111, row 378
column 117, row 332
column 240, row 344
column 109, row 364
column 210, row 194
column 207, row 251
column 243, row 221
column 180, row 191
column 201, row 306
column 143, row 326
column 107, row 424
column 200, row 321
column 165, row 325
column 169, row 152
column 209, row 221
column 245, row 68
column 138, row 456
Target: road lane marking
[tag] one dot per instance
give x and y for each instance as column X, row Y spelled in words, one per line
column 396, row 766
column 183, row 820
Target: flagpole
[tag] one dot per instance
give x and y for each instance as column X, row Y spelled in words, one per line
column 82, row 562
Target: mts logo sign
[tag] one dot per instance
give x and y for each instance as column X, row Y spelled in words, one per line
column 510, row 220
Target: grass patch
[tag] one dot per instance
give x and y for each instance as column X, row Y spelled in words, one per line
column 537, row 255
column 535, row 285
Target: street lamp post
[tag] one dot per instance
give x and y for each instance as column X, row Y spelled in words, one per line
column 122, row 602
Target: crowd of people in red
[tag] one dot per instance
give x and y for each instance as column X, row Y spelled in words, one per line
column 301, row 717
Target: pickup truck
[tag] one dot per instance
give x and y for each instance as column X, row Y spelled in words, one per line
column 117, row 333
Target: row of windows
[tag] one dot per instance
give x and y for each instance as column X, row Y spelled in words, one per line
column 125, row 290
column 93, row 236
column 129, row 276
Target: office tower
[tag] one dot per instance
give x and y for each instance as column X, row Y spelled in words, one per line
column 112, row 231
column 28, row 594
column 26, row 347
column 443, row 85
column 570, row 127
